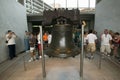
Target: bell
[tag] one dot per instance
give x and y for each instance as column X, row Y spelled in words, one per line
column 62, row 43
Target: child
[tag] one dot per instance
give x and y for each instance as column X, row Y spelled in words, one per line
column 32, row 42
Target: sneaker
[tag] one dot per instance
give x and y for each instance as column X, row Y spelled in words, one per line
column 30, row 60
column 92, row 57
column 27, row 51
column 45, row 56
column 40, row 56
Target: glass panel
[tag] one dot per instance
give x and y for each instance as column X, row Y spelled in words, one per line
column 92, row 3
column 71, row 3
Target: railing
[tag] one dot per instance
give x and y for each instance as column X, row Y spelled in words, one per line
column 110, row 58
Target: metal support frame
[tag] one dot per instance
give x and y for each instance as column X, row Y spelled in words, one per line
column 82, row 51
column 100, row 61
column 43, row 58
column 82, row 47
column 81, row 55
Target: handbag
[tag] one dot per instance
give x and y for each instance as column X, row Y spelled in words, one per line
column 6, row 41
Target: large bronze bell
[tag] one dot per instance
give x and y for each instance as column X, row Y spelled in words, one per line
column 62, row 43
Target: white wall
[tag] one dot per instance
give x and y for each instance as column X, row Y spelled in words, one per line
column 107, row 15
column 12, row 17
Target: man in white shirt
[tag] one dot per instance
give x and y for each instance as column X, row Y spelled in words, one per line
column 91, row 40
column 49, row 38
column 105, row 42
column 10, row 37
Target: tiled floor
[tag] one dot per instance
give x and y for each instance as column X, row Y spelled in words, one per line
column 58, row 69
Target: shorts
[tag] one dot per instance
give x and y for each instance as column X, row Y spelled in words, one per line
column 116, row 44
column 39, row 46
column 105, row 48
column 91, row 47
column 46, row 42
column 32, row 49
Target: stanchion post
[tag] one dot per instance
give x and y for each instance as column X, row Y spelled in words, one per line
column 43, row 58
column 24, row 63
column 82, row 51
column 100, row 61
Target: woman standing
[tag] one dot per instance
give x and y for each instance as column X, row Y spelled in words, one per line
column 10, row 40
column 26, row 41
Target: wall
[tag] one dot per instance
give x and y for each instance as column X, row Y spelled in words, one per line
column 12, row 17
column 107, row 16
